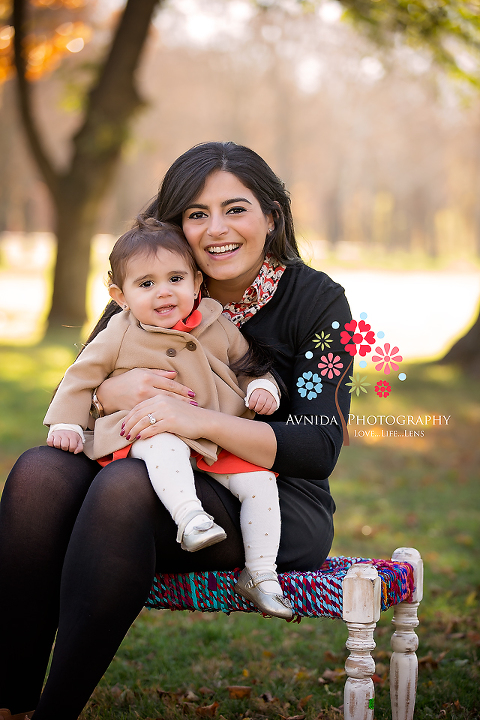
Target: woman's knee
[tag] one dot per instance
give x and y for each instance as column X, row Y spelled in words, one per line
column 49, row 471
column 123, row 488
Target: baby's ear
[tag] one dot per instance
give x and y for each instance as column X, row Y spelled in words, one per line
column 197, row 283
column 117, row 295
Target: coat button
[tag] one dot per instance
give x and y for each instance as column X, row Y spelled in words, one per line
column 191, row 345
column 171, row 352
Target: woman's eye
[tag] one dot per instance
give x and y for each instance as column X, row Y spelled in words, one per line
column 197, row 215
column 146, row 284
column 237, row 210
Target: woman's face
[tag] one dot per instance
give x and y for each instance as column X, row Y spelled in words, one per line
column 226, row 229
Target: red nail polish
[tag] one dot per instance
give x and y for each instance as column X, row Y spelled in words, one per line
column 123, row 425
column 192, row 402
column 191, row 393
column 138, row 437
column 122, row 432
column 128, row 437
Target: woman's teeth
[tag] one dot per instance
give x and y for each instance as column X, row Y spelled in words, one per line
column 222, row 249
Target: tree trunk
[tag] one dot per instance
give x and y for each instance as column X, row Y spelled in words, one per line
column 466, row 351
column 75, row 227
column 78, row 192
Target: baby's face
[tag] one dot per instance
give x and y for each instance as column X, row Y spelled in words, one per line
column 160, row 290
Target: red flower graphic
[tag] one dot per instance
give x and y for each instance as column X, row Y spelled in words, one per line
column 382, row 388
column 363, row 336
column 330, row 366
column 387, row 357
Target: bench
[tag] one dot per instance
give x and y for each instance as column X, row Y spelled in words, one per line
column 356, row 590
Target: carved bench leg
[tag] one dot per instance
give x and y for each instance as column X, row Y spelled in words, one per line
column 404, row 664
column 361, row 610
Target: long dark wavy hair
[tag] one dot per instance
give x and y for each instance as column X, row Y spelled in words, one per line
column 185, row 180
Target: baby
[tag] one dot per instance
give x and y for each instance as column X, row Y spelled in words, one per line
column 156, row 282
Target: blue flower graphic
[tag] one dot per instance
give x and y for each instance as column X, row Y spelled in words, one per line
column 309, row 385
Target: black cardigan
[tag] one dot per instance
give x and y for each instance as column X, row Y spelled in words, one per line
column 305, row 304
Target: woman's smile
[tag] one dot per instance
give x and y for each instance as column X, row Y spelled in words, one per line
column 222, row 249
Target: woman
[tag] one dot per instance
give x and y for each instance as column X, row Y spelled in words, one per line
column 79, row 546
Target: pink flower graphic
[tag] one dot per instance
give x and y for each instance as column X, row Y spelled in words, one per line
column 382, row 388
column 330, row 366
column 361, row 336
column 387, row 357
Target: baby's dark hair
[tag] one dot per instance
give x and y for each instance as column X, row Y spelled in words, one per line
column 145, row 238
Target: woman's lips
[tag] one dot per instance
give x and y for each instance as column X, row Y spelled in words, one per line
column 219, row 250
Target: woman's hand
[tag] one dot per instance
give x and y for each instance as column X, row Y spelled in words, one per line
column 249, row 440
column 125, row 391
column 170, row 413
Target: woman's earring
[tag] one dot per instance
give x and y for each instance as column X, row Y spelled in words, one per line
column 125, row 307
column 270, row 230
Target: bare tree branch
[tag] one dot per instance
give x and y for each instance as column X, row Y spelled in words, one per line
column 25, row 100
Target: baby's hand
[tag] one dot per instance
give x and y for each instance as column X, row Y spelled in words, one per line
column 66, row 440
column 262, row 402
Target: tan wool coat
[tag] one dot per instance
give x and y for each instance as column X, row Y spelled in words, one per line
column 200, row 357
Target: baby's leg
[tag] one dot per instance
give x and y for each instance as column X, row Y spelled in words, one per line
column 168, row 463
column 259, row 519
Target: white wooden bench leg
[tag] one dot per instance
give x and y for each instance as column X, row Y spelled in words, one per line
column 361, row 611
column 404, row 663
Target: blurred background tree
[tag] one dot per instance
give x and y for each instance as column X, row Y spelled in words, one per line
column 333, row 113
column 78, row 188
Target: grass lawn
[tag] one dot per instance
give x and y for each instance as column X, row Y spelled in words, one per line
column 390, row 491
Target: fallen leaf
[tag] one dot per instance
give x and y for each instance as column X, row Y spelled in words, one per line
column 377, row 679
column 380, row 668
column 239, row 691
column 328, row 656
column 296, row 717
column 267, row 654
column 474, row 637
column 304, row 701
column 207, row 710
column 206, row 691
column 428, row 661
column 191, row 696
column 268, row 697
column 334, row 675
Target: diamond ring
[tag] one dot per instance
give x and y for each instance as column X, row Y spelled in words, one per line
column 152, row 419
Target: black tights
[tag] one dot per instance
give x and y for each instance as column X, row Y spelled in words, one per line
column 78, row 551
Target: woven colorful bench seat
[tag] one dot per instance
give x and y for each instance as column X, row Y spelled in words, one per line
column 312, row 594
column 354, row 589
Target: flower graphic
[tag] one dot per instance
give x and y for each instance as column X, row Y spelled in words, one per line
column 358, row 384
column 330, row 366
column 309, row 385
column 382, row 388
column 387, row 357
column 322, row 341
column 357, row 336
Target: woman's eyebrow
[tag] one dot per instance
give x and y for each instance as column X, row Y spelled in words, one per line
column 223, row 204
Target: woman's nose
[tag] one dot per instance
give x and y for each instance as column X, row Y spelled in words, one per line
column 217, row 225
